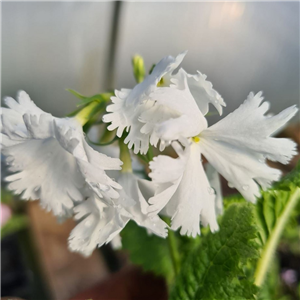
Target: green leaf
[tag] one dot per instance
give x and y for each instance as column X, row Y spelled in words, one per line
column 290, row 181
column 272, row 288
column 214, row 270
column 76, row 94
column 103, row 97
column 149, row 251
column 273, row 212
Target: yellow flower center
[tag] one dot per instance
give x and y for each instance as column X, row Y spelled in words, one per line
column 196, row 139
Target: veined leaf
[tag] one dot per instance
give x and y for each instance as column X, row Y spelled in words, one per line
column 149, row 251
column 274, row 210
column 274, row 218
column 214, row 269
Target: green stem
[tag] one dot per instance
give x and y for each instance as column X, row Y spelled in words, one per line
column 102, row 144
column 150, row 153
column 125, row 156
column 108, row 136
column 84, row 115
column 269, row 249
column 174, row 252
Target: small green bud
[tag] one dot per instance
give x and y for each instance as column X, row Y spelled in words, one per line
column 138, row 68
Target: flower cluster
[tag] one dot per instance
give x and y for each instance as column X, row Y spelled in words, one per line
column 52, row 161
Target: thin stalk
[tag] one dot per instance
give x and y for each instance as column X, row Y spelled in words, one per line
column 110, row 67
column 150, row 153
column 125, row 156
column 269, row 249
column 174, row 252
column 83, row 116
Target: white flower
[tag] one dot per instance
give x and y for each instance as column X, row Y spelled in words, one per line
column 161, row 100
column 101, row 223
column 184, row 188
column 50, row 157
column 237, row 147
column 201, row 89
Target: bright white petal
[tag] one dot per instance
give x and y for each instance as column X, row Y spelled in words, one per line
column 189, row 196
column 45, row 171
column 129, row 105
column 238, row 145
column 134, row 191
column 99, row 224
column 249, row 128
column 153, row 116
column 123, row 117
column 201, row 89
column 23, row 104
column 51, row 159
column 179, row 117
column 142, row 90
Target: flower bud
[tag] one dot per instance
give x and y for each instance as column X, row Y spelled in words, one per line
column 138, row 68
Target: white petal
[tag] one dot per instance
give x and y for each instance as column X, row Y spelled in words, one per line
column 142, row 91
column 123, row 117
column 52, row 160
column 99, row 225
column 239, row 167
column 189, row 196
column 12, row 125
column 238, row 145
column 153, row 116
column 39, row 126
column 180, row 116
column 46, row 172
column 215, row 182
column 247, row 127
column 101, row 160
column 201, row 89
column 23, row 104
column 129, row 105
column 116, row 242
column 138, row 210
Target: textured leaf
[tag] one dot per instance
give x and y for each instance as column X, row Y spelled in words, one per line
column 149, row 251
column 214, row 269
column 276, row 212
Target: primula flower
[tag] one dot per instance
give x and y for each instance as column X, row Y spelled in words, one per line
column 101, row 223
column 51, row 159
column 149, row 107
column 237, row 147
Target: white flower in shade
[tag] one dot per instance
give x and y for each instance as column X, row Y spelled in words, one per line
column 237, row 147
column 215, row 183
column 50, row 158
column 163, row 99
column 101, row 223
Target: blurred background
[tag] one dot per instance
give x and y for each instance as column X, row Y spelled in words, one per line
column 50, row 46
